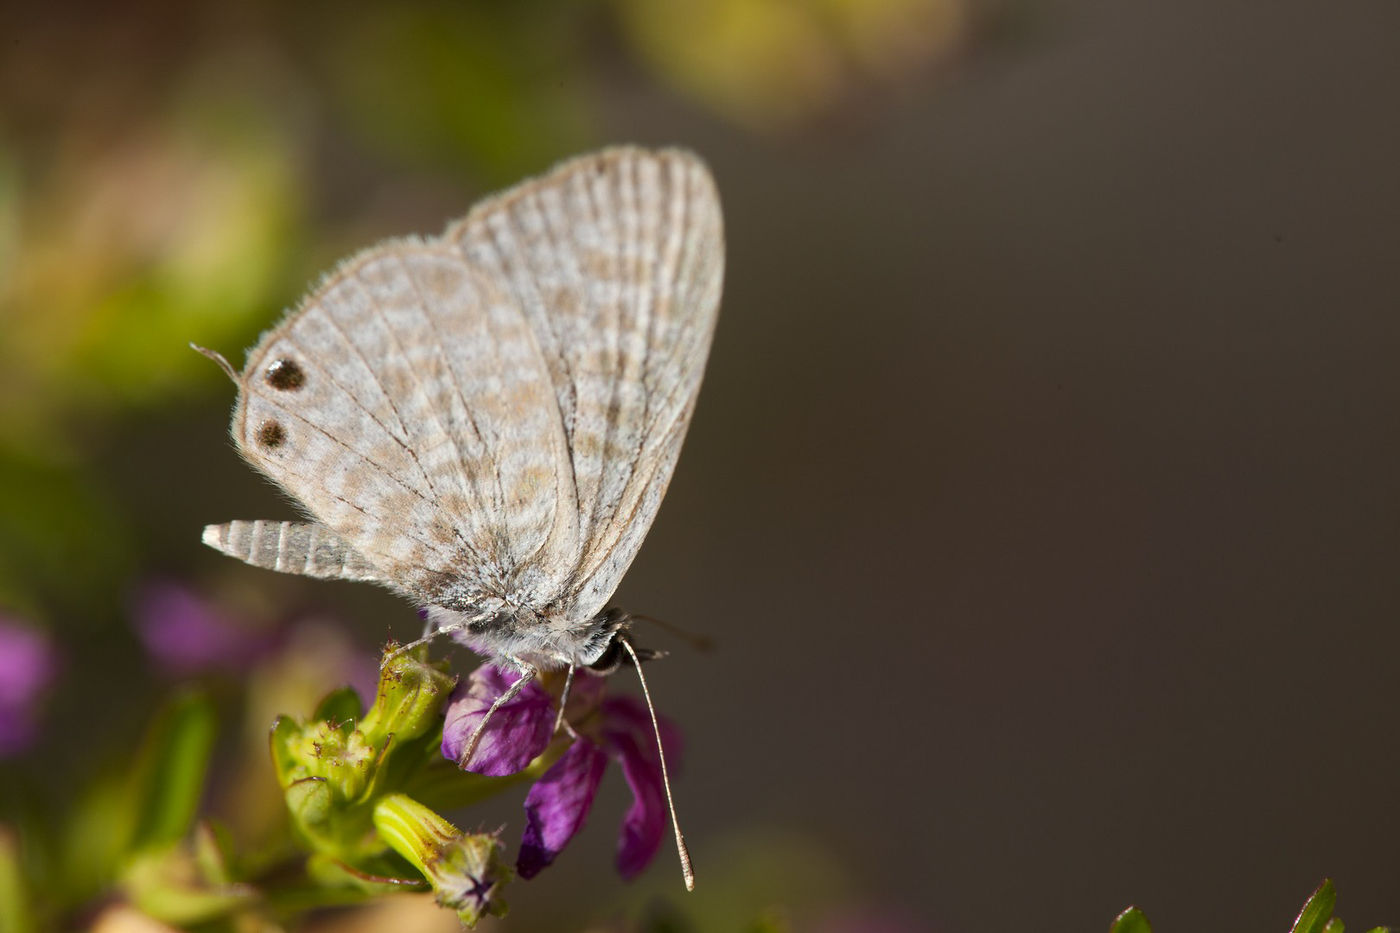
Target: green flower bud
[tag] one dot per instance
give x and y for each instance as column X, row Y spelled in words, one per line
column 465, row 870
column 410, row 700
column 333, row 769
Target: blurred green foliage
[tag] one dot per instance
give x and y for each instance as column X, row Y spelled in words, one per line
column 180, row 177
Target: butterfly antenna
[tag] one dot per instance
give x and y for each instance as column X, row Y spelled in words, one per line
column 686, row 870
column 697, row 641
column 218, row 358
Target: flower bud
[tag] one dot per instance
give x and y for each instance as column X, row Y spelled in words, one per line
column 465, row 870
column 409, row 702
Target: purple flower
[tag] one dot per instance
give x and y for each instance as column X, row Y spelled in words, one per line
column 518, row 731
column 27, row 665
column 558, row 804
column 617, row 727
column 188, row 635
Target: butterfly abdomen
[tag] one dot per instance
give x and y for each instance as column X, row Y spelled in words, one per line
column 305, row 548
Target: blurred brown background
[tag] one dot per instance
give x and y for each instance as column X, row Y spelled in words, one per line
column 1044, row 493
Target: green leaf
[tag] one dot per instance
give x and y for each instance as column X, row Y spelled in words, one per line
column 169, row 778
column 1131, row 920
column 1334, row 925
column 1318, row 910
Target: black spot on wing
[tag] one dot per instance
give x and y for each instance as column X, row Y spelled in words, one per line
column 285, row 375
column 271, row 434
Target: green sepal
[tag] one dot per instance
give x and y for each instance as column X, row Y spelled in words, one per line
column 285, row 731
column 310, row 802
column 1131, row 920
column 342, row 705
column 373, row 877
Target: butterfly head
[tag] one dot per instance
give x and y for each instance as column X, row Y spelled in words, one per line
column 613, row 626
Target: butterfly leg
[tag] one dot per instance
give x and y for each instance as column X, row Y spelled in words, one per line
column 563, row 702
column 528, row 672
column 430, row 634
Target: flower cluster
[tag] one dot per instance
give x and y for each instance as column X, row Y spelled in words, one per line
column 351, row 778
column 602, row 727
column 364, row 786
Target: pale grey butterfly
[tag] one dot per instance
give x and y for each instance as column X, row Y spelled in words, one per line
column 486, row 421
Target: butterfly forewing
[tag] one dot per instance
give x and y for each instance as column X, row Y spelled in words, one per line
column 617, row 262
column 498, row 411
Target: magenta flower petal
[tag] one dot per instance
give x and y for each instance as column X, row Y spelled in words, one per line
column 27, row 664
column 625, row 712
column 516, row 733
column 644, row 826
column 558, row 804
column 629, row 737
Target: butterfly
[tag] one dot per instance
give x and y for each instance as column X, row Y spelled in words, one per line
column 486, row 421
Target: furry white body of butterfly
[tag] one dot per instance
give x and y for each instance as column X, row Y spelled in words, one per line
column 486, row 421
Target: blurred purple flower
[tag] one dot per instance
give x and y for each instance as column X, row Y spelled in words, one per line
column 27, row 664
column 185, row 634
column 557, row 805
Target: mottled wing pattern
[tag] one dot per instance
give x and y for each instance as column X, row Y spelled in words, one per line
column 616, row 261
column 409, row 408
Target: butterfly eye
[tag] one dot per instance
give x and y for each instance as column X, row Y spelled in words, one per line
column 271, row 434
column 610, row 660
column 285, row 375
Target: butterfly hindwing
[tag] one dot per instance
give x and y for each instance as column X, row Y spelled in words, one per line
column 420, row 428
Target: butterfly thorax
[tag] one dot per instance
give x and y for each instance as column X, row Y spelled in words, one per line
column 541, row 639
